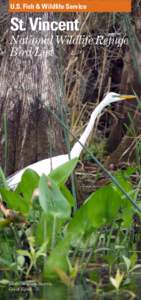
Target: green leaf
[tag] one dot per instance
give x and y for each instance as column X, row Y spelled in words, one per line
column 67, row 194
column 62, row 173
column 52, row 200
column 3, row 181
column 124, row 180
column 20, row 199
column 103, row 206
column 28, row 184
column 4, row 282
column 134, row 259
column 24, row 253
column 117, row 280
column 127, row 262
column 20, row 261
column 58, row 258
column 127, row 209
column 14, row 201
column 43, row 229
column 42, row 250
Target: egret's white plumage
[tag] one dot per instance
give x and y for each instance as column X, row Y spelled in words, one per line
column 46, row 165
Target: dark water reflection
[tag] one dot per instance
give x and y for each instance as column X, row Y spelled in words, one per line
column 48, row 291
column 60, row 292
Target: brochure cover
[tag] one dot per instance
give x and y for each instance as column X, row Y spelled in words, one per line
column 70, row 82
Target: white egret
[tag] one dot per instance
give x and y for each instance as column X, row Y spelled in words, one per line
column 46, row 165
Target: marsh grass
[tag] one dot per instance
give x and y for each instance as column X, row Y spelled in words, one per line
column 89, row 250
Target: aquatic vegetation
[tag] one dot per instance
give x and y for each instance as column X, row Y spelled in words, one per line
column 43, row 237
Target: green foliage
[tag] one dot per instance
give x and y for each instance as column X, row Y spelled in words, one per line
column 20, row 200
column 48, row 228
column 117, row 280
column 32, row 253
column 28, row 184
column 98, row 149
column 15, row 201
column 3, row 183
column 52, row 200
column 102, row 208
column 52, row 232
column 60, row 175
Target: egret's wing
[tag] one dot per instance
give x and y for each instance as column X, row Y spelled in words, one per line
column 14, row 179
column 44, row 166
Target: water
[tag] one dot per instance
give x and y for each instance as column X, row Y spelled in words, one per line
column 46, row 292
column 59, row 291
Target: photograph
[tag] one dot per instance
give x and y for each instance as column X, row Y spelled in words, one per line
column 70, row 149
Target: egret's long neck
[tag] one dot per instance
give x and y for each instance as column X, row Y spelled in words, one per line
column 78, row 147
